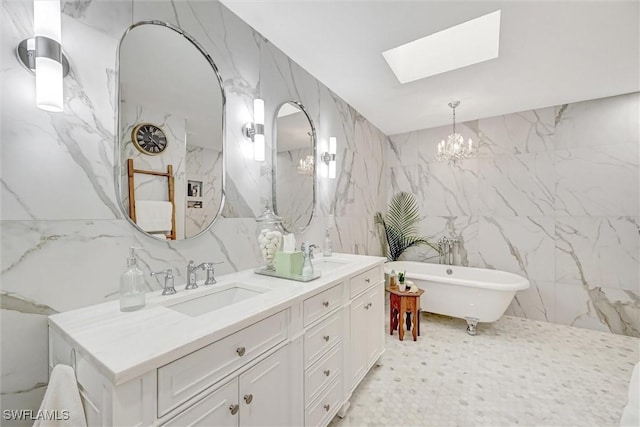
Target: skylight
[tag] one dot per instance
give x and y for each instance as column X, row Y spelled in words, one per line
column 464, row 44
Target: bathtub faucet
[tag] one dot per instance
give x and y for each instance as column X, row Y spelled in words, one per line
column 445, row 250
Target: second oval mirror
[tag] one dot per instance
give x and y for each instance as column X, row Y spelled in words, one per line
column 171, row 136
column 294, row 167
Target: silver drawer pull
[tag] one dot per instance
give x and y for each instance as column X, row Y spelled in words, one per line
column 367, row 280
column 326, row 338
column 234, row 409
column 326, row 303
column 327, row 372
column 326, row 407
column 240, row 351
column 366, row 307
column 248, row 398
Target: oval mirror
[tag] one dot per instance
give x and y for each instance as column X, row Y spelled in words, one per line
column 170, row 165
column 294, row 167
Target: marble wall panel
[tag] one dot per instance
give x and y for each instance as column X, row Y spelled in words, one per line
column 599, row 122
column 597, row 181
column 598, row 251
column 521, row 245
column 517, row 185
column 525, row 132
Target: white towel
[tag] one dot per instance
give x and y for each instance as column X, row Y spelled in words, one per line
column 631, row 412
column 160, row 236
column 61, row 405
column 154, row 216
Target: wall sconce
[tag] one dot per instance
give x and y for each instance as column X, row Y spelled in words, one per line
column 255, row 131
column 43, row 55
column 330, row 157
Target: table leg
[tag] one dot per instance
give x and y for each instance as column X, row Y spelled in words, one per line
column 415, row 327
column 401, row 325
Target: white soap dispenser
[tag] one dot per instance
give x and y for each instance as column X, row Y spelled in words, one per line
column 132, row 285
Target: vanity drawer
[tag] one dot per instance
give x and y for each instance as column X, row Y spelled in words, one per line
column 213, row 410
column 322, row 373
column 318, row 305
column 189, row 375
column 321, row 410
column 362, row 281
column 322, row 337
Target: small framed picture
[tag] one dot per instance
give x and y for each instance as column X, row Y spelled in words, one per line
column 194, row 189
column 194, row 204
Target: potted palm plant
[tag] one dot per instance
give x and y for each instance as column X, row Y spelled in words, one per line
column 400, row 226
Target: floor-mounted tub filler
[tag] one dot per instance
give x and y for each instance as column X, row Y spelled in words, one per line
column 473, row 294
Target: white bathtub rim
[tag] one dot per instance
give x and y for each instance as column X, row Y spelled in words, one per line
column 519, row 283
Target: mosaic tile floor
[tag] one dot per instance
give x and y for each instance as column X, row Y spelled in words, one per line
column 514, row 372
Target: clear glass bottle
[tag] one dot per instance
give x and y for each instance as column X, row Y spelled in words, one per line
column 327, row 249
column 132, row 285
column 269, row 236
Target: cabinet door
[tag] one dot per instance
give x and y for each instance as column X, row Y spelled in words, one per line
column 358, row 352
column 217, row 409
column 264, row 392
column 375, row 324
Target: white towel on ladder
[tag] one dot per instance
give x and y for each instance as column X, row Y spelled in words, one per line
column 61, row 405
column 154, row 216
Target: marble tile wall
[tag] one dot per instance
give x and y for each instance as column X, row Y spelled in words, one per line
column 552, row 196
column 64, row 237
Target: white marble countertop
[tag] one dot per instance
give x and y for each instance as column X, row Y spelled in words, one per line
column 124, row 345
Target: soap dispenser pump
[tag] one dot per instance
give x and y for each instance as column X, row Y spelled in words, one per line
column 132, row 285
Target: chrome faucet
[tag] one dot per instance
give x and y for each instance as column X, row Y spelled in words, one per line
column 191, row 274
column 445, row 250
column 168, row 282
column 208, row 267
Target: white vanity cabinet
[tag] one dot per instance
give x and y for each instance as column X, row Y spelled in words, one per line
column 366, row 325
column 291, row 356
column 258, row 397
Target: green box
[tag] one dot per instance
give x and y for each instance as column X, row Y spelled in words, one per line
column 289, row 262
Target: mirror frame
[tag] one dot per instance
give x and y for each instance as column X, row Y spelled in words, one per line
column 274, row 165
column 118, row 164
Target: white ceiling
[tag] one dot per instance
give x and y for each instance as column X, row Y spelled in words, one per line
column 551, row 53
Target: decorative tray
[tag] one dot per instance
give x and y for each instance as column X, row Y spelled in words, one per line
column 296, row 277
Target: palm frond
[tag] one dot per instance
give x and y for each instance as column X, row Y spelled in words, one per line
column 399, row 225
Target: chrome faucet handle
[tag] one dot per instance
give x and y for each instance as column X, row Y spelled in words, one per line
column 168, row 281
column 191, row 276
column 208, row 267
column 311, row 248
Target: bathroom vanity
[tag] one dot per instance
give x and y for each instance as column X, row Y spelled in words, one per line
column 249, row 350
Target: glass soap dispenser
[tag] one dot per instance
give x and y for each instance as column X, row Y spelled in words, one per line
column 132, row 285
column 269, row 236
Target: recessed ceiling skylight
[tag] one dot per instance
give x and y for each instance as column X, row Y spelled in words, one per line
column 464, row 44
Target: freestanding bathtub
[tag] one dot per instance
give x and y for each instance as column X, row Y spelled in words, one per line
column 473, row 294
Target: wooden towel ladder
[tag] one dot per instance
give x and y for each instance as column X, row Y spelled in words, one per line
column 171, row 187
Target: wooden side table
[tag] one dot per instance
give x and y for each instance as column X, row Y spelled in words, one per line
column 400, row 304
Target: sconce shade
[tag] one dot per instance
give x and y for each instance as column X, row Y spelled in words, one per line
column 329, row 157
column 332, row 152
column 255, row 131
column 42, row 55
column 48, row 55
column 258, row 138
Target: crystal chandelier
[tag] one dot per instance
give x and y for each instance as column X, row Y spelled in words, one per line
column 454, row 148
column 306, row 166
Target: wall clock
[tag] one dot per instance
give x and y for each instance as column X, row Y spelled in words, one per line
column 149, row 138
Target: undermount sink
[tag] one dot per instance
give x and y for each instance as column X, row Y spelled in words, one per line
column 231, row 294
column 329, row 264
